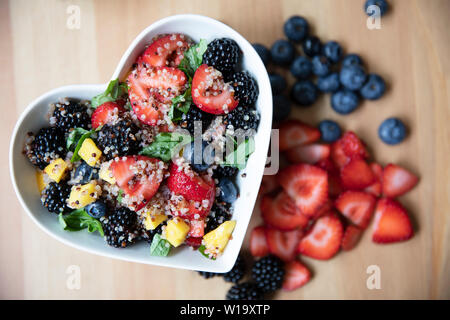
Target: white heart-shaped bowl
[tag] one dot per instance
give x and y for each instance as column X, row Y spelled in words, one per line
column 34, row 117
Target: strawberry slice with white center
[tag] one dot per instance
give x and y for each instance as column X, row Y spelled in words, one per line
column 282, row 213
column 210, row 93
column 283, row 244
column 392, row 223
column 308, row 154
column 351, row 237
column 322, row 242
column 296, row 133
column 397, row 181
column 258, row 242
column 165, row 51
column 307, row 185
column 296, row 275
column 357, row 175
column 139, row 177
column 357, row 206
column 106, row 113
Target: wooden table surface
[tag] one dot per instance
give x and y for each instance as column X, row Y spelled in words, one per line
column 411, row 51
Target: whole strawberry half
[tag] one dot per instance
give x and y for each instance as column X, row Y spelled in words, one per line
column 165, row 51
column 296, row 275
column 397, row 181
column 357, row 206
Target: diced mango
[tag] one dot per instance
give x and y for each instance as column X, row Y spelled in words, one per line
column 153, row 218
column 56, row 169
column 106, row 174
column 216, row 240
column 89, row 152
column 81, row 196
column 40, row 181
column 176, row 231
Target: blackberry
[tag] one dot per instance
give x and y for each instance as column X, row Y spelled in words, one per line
column 54, row 197
column 238, row 271
column 242, row 118
column 245, row 88
column 220, row 212
column 244, row 291
column 224, row 172
column 48, row 144
column 223, row 54
column 268, row 273
column 118, row 139
column 207, row 275
column 120, row 227
column 71, row 114
column 195, row 114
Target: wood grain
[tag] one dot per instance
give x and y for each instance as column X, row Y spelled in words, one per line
column 411, row 51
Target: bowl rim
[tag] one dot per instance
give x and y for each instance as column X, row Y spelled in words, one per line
column 101, row 87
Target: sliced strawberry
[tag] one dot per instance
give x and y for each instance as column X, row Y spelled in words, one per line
column 357, row 175
column 307, row 185
column 392, row 223
column 283, row 244
column 324, row 238
column 296, row 275
column 140, row 186
column 357, row 206
column 106, row 113
column 338, row 155
column 191, row 209
column 311, row 153
column 397, row 181
column 165, row 51
column 334, row 180
column 326, row 208
column 296, row 133
column 193, row 242
column 351, row 237
column 258, row 242
column 353, row 146
column 269, row 183
column 210, row 93
column 282, row 213
column 375, row 188
column 197, row 228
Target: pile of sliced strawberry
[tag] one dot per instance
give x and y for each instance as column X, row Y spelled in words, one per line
column 325, row 199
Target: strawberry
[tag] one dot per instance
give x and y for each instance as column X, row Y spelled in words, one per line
column 296, row 275
column 324, row 238
column 392, row 223
column 357, row 206
column 357, row 175
column 334, row 181
column 210, row 93
column 283, row 244
column 296, row 133
column 327, row 207
column 193, row 242
column 197, row 228
column 351, row 237
column 308, row 154
column 281, row 213
column 327, row 165
column 338, row 155
column 190, row 209
column 165, row 51
column 353, row 146
column 258, row 242
column 106, row 113
column 307, row 185
column 139, row 177
column 269, row 183
column 375, row 188
column 397, row 181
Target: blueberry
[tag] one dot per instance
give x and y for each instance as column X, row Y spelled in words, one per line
column 96, row 209
column 301, row 68
column 382, row 4
column 277, row 82
column 320, row 66
column 304, row 93
column 329, row 130
column 333, row 51
column 352, row 77
column 228, row 191
column 329, row 83
column 85, row 173
column 200, row 159
column 312, row 46
column 392, row 131
column 282, row 52
column 281, row 108
column 352, row 60
column 263, row 53
column 296, row 28
column 374, row 88
column 344, row 101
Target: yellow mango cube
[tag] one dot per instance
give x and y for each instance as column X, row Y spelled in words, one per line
column 106, row 174
column 153, row 218
column 216, row 240
column 81, row 196
column 89, row 152
column 56, row 169
column 176, row 231
column 40, row 181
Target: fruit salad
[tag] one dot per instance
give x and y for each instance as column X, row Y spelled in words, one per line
column 155, row 157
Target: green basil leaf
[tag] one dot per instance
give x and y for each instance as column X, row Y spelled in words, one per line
column 193, row 58
column 238, row 158
column 120, row 196
column 180, row 104
column 76, row 156
column 159, row 247
column 202, row 249
column 78, row 220
column 114, row 91
column 74, row 137
column 165, row 145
